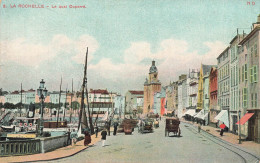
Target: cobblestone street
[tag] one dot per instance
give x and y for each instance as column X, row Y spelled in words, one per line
column 155, row 147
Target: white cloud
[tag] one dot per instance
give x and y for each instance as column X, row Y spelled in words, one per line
column 173, row 59
column 23, row 52
column 137, row 52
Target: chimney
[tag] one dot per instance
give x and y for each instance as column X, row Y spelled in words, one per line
column 153, row 63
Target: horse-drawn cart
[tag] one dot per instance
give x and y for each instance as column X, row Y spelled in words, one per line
column 146, row 126
column 172, row 125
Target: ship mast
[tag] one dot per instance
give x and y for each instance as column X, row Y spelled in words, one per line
column 82, row 113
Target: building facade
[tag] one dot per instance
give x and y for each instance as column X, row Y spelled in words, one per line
column 181, row 95
column 100, row 100
column 249, row 83
column 15, row 97
column 203, row 87
column 224, row 79
column 192, row 88
column 133, row 100
column 119, row 105
column 213, row 92
column 234, row 84
column 151, row 86
column 171, row 100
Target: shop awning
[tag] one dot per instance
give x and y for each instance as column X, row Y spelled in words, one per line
column 200, row 114
column 205, row 116
column 245, row 118
column 193, row 114
column 190, row 112
column 223, row 116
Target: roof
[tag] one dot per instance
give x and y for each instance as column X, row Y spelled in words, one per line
column 206, row 68
column 31, row 90
column 213, row 69
column 250, row 35
column 17, row 92
column 223, row 52
column 99, row 91
column 137, row 92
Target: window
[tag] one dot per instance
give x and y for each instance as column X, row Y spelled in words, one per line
column 245, row 97
column 255, row 73
column 245, row 72
column 228, row 70
column 252, row 100
column 255, row 47
column 251, row 74
column 236, row 75
column 251, row 51
column 231, row 76
column 256, row 100
column 239, row 75
column 239, row 98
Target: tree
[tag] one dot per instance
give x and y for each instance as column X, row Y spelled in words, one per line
column 8, row 105
column 75, row 105
column 18, row 105
column 140, row 110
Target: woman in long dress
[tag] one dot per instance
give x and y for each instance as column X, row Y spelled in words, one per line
column 87, row 140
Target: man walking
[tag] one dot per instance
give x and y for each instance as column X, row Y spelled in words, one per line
column 103, row 137
column 96, row 130
column 115, row 128
column 199, row 127
column 109, row 124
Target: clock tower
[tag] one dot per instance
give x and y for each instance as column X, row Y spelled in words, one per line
column 151, row 86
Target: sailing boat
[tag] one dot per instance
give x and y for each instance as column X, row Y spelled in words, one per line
column 82, row 114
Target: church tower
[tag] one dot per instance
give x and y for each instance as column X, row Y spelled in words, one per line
column 151, row 86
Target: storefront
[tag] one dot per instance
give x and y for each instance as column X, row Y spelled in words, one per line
column 222, row 117
column 253, row 119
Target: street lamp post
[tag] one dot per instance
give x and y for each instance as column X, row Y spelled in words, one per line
column 239, row 132
column 42, row 93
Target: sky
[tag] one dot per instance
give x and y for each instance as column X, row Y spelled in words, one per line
column 123, row 37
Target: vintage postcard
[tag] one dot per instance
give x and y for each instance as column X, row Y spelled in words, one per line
column 130, row 81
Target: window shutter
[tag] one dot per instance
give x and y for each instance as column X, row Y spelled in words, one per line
column 245, row 72
column 256, row 100
column 252, row 100
column 239, row 98
column 255, row 73
column 251, row 75
column 245, row 97
column 239, row 76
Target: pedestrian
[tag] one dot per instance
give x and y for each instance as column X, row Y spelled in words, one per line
column 103, row 137
column 221, row 132
column 69, row 137
column 87, row 140
column 115, row 128
column 199, row 127
column 160, row 118
column 96, row 130
column 109, row 124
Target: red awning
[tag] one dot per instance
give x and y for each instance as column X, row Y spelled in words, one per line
column 245, row 118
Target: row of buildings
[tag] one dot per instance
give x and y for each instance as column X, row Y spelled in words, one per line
column 228, row 92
